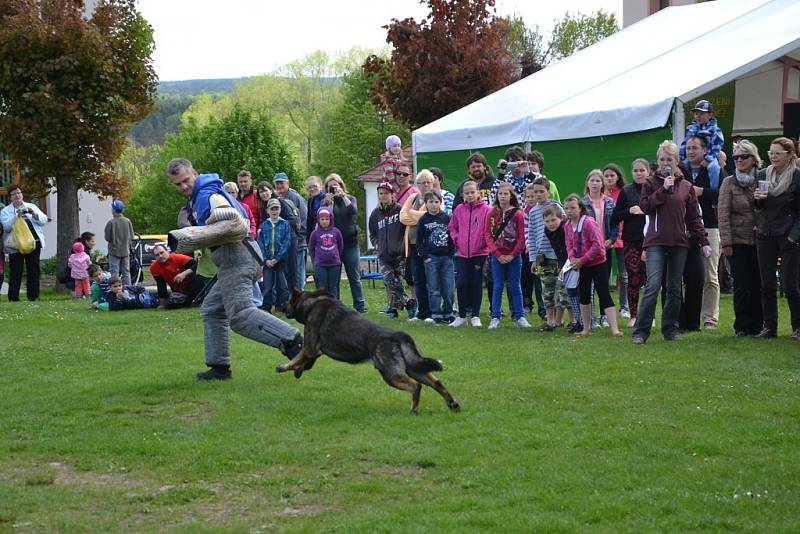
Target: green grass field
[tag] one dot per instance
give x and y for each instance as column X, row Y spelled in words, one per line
column 105, row 430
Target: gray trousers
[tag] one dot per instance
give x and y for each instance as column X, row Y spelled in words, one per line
column 120, row 266
column 229, row 305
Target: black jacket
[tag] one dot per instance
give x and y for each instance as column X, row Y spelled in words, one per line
column 708, row 202
column 387, row 233
column 558, row 242
column 780, row 216
column 633, row 229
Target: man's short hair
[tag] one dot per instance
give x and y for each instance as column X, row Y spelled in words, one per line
column 430, row 195
column 14, row 187
column 175, row 166
column 160, row 245
column 515, row 153
column 477, row 157
column 244, row 174
column 703, row 140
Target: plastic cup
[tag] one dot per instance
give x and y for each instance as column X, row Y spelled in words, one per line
column 763, row 186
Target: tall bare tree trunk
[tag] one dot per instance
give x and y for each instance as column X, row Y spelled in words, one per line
column 67, row 217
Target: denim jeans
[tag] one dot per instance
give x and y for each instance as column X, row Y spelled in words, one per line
column 441, row 285
column 120, row 266
column 506, row 275
column 351, row 259
column 300, row 267
column 660, row 260
column 328, row 278
column 276, row 292
column 420, row 286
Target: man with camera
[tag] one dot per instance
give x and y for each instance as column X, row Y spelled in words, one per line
column 519, row 174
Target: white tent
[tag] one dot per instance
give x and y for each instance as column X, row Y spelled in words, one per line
column 628, row 82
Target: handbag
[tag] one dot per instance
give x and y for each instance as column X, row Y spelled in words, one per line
column 25, row 243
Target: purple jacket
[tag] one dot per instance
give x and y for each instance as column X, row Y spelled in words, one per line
column 326, row 246
column 467, row 228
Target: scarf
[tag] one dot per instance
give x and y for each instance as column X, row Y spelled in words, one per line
column 746, row 179
column 779, row 182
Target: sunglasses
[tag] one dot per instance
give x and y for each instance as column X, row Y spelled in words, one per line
column 403, row 174
column 742, row 156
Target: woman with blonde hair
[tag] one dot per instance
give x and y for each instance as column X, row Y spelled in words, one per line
column 738, row 240
column 411, row 212
column 777, row 217
column 668, row 198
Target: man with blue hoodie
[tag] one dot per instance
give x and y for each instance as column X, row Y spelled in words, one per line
column 221, row 225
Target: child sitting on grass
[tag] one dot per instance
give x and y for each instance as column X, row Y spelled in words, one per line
column 100, row 280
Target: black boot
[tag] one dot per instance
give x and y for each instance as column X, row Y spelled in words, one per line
column 216, row 372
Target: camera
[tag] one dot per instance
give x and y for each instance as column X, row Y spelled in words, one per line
column 511, row 165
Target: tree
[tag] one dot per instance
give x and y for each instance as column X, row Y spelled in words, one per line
column 352, row 135
column 573, row 33
column 70, row 88
column 448, row 60
column 570, row 34
column 240, row 140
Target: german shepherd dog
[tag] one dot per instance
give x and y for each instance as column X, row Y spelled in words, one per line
column 334, row 329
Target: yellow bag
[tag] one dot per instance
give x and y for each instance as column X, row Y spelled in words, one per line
column 25, row 243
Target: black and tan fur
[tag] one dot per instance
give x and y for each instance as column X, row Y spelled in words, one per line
column 334, row 329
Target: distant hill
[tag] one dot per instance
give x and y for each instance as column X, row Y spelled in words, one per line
column 197, row 87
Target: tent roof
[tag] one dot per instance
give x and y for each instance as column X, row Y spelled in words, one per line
column 628, row 81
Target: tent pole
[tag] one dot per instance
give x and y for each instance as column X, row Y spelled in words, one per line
column 678, row 122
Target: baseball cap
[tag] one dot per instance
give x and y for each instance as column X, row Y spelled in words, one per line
column 387, row 186
column 118, row 206
column 273, row 202
column 280, row 177
column 703, row 105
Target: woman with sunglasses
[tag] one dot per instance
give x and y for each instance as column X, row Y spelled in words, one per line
column 777, row 207
column 738, row 240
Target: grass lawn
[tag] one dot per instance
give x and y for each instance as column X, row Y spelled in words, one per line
column 106, row 429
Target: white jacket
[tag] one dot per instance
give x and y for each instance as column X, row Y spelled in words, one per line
column 9, row 213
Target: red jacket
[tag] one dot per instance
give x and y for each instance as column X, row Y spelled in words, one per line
column 251, row 201
column 511, row 242
column 167, row 271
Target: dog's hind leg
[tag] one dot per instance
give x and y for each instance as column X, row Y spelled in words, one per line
column 430, row 380
column 405, row 383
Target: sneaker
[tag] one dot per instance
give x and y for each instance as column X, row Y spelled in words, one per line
column 546, row 328
column 624, row 312
column 523, row 322
column 574, row 328
column 411, row 304
column 796, row 334
column 391, row 314
column 595, row 325
column 443, row 320
column 413, row 319
column 632, row 323
column 476, row 322
column 362, row 309
column 216, row 372
column 494, row 324
column 638, row 340
column 603, row 321
column 710, row 325
column 429, row 320
column 458, row 321
column 766, row 333
column 740, row 333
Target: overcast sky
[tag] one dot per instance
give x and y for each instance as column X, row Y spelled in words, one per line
column 236, row 38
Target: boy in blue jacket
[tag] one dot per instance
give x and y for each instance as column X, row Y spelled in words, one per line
column 274, row 240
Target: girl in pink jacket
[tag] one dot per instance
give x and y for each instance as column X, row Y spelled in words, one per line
column 586, row 253
column 79, row 263
column 466, row 229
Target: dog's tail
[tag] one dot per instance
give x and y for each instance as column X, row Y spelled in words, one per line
column 416, row 361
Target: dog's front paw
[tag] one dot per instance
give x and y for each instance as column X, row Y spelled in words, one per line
column 283, row 368
column 454, row 406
